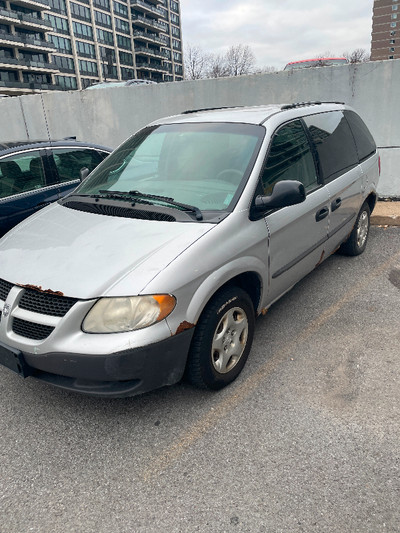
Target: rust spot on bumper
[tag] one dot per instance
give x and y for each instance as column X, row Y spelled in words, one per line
column 184, row 326
column 39, row 289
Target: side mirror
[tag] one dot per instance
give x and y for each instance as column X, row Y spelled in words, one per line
column 285, row 193
column 83, row 173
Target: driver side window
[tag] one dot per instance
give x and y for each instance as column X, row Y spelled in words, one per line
column 289, row 158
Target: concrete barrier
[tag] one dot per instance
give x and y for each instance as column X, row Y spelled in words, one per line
column 109, row 116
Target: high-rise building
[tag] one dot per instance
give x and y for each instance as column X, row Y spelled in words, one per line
column 385, row 42
column 69, row 44
column 24, row 49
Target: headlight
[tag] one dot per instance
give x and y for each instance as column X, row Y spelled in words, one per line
column 115, row 315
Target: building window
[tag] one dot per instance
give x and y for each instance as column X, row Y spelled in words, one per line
column 125, row 58
column 82, row 30
column 85, row 49
column 392, row 41
column 127, row 73
column 394, row 15
column 105, row 37
column 393, row 33
column 123, row 42
column 64, row 63
column 61, row 43
column 59, row 24
column 102, row 19
column 80, row 12
column 107, row 54
column 394, row 8
column 390, row 57
column 102, row 4
column 121, row 25
column 391, row 50
column 88, row 67
column 66, row 82
column 393, row 24
column 120, row 9
column 58, row 6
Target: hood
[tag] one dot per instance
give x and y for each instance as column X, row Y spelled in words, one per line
column 86, row 255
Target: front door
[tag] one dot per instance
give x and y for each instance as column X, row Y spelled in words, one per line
column 297, row 234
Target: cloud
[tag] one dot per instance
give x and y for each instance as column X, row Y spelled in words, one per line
column 278, row 31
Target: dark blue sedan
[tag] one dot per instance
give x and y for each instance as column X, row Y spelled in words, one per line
column 36, row 174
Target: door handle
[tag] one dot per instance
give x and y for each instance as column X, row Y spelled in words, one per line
column 336, row 203
column 321, row 214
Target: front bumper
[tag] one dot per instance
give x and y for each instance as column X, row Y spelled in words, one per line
column 115, row 375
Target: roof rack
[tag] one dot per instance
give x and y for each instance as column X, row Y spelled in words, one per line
column 302, row 104
column 188, row 111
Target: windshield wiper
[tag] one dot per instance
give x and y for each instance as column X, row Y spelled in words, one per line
column 134, row 195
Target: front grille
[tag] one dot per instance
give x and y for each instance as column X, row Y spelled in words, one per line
column 46, row 304
column 37, row 302
column 30, row 330
column 5, row 288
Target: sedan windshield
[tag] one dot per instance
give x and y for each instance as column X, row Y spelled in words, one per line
column 204, row 166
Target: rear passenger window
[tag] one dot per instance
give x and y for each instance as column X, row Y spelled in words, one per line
column 364, row 141
column 334, row 142
column 289, row 158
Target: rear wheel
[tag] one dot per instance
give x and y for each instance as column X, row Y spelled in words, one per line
column 222, row 340
column 357, row 241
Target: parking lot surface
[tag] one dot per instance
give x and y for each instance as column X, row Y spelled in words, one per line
column 307, row 439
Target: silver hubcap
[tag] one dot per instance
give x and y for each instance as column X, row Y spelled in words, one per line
column 362, row 229
column 230, row 340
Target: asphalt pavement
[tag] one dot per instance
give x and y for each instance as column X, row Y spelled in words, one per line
column 306, row 440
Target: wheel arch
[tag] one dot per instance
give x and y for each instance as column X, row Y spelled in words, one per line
column 250, row 280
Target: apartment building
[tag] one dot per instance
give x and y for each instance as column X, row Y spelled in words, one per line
column 86, row 41
column 385, row 42
column 25, row 52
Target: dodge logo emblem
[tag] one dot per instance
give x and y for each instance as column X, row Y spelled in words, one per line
column 6, row 310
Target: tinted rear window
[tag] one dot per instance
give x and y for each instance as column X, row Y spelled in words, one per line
column 364, row 141
column 334, row 142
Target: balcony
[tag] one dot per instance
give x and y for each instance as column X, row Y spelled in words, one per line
column 38, row 4
column 152, row 66
column 18, row 87
column 149, row 37
column 146, row 7
column 144, row 22
column 24, row 21
column 24, row 64
column 142, row 50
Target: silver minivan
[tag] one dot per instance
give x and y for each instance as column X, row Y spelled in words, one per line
column 157, row 265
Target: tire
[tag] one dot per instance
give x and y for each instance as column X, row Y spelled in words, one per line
column 222, row 340
column 357, row 240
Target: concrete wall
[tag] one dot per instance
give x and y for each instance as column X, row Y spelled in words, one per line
column 109, row 116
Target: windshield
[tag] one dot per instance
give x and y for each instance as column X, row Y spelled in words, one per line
column 201, row 165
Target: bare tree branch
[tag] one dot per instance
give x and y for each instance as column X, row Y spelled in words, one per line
column 359, row 55
column 196, row 62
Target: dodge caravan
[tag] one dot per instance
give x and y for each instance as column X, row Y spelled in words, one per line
column 156, row 266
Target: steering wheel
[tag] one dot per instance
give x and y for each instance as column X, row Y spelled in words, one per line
column 233, row 175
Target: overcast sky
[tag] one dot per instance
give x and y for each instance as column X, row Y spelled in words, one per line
column 278, row 31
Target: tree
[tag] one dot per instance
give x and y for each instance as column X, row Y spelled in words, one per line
column 268, row 69
column 217, row 67
column 359, row 55
column 196, row 63
column 240, row 60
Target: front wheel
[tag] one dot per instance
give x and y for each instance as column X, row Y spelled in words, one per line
column 357, row 240
column 222, row 340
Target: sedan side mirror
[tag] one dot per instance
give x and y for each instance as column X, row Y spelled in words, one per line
column 285, row 193
column 83, row 173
